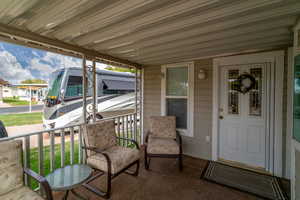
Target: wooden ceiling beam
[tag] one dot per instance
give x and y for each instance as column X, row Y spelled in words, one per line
column 27, row 36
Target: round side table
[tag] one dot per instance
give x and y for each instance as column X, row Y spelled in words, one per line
column 68, row 178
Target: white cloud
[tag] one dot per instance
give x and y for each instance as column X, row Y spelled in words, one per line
column 47, row 64
column 61, row 61
column 11, row 70
column 38, row 67
column 35, row 64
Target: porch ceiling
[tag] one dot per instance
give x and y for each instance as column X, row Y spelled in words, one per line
column 153, row 31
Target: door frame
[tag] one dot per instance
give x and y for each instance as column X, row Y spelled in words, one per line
column 277, row 60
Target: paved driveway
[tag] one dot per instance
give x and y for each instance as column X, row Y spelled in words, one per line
column 19, row 109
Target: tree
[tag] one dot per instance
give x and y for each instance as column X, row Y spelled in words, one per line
column 120, row 69
column 32, row 81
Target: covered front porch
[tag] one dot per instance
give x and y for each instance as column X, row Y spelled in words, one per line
column 224, row 69
column 164, row 181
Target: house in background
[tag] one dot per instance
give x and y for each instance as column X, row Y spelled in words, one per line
column 10, row 91
column 36, row 92
column 3, row 84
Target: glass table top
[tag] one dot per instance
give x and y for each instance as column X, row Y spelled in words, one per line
column 69, row 176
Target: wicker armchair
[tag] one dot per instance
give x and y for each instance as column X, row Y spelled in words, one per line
column 105, row 156
column 163, row 140
column 11, row 174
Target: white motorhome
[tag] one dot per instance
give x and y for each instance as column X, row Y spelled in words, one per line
column 63, row 104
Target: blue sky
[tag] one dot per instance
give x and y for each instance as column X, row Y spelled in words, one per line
column 19, row 63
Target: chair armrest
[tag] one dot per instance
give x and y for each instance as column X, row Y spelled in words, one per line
column 131, row 140
column 42, row 180
column 179, row 140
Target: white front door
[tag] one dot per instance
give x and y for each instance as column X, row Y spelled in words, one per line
column 243, row 116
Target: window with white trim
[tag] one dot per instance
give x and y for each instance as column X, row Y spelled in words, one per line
column 177, row 95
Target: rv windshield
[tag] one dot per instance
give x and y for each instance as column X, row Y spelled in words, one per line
column 55, row 83
column 74, row 87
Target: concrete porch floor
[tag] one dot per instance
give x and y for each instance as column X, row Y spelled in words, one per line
column 165, row 182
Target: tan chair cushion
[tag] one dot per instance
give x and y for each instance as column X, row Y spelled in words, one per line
column 163, row 126
column 11, row 170
column 157, row 145
column 120, row 158
column 22, row 193
column 101, row 134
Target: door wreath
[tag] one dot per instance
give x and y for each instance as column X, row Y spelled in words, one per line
column 244, row 83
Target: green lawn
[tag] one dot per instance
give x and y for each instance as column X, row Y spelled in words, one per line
column 21, row 119
column 15, row 101
column 34, row 158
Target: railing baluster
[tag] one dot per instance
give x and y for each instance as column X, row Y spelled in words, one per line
column 80, row 144
column 127, row 129
column 123, row 129
column 62, row 150
column 41, row 158
column 119, row 129
column 52, row 151
column 131, row 127
column 41, row 154
column 72, row 145
column 135, row 128
column 26, row 154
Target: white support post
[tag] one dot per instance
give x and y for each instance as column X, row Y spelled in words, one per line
column 84, row 88
column 136, row 105
column 94, row 92
column 141, row 107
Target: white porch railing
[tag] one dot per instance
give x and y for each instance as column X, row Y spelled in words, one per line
column 44, row 151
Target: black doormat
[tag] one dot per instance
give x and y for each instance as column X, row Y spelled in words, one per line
column 245, row 180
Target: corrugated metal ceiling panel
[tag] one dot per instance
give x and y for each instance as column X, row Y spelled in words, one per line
column 156, row 31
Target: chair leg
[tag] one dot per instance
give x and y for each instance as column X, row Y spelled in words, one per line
column 146, row 159
column 180, row 162
column 99, row 192
column 137, row 168
column 108, row 191
column 136, row 172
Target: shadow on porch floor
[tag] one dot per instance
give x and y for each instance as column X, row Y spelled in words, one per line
column 165, row 182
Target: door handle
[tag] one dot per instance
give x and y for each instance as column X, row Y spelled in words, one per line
column 221, row 117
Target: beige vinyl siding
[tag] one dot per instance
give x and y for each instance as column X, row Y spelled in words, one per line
column 286, row 137
column 195, row 146
column 152, row 85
